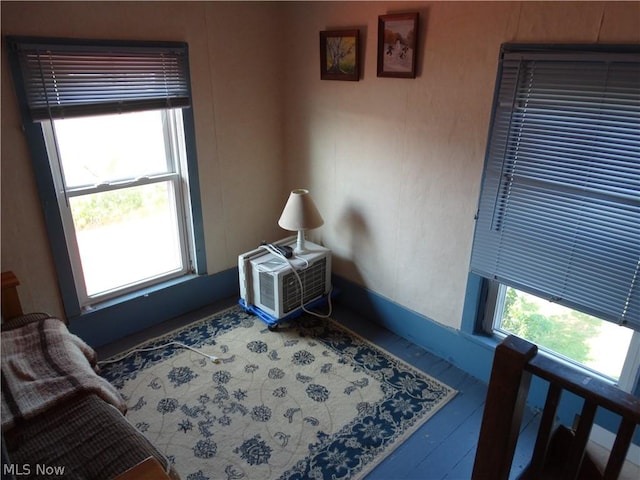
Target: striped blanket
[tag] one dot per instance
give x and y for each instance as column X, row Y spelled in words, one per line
column 43, row 365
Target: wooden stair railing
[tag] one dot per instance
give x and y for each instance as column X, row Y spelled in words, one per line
column 515, row 361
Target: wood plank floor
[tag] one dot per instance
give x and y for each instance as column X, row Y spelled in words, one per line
column 444, row 447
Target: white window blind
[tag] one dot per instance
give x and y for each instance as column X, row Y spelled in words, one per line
column 559, row 212
column 71, row 79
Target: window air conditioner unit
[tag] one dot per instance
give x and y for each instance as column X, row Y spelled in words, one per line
column 269, row 283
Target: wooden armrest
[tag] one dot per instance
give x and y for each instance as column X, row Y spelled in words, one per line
column 148, row 469
column 11, row 306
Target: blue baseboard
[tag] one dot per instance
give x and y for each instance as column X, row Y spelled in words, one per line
column 473, row 355
column 469, row 352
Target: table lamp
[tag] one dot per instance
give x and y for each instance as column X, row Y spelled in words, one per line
column 300, row 214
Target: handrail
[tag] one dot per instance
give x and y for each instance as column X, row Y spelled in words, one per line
column 571, row 379
column 515, row 361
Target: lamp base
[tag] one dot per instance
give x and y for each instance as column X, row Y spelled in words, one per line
column 300, row 244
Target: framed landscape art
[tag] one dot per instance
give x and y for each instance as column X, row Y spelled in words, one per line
column 397, row 42
column 340, row 55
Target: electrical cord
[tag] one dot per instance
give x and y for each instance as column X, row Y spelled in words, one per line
column 213, row 358
column 278, row 254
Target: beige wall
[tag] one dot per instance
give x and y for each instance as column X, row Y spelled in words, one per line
column 237, row 101
column 394, row 164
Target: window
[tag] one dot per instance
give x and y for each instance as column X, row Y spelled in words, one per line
column 123, row 213
column 117, row 145
column 559, row 209
column 573, row 336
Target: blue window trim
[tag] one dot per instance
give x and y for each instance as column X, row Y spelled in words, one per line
column 475, row 298
column 46, row 189
column 474, row 303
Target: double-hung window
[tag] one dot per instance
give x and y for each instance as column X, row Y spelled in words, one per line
column 114, row 141
column 559, row 211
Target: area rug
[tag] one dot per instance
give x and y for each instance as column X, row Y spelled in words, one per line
column 309, row 400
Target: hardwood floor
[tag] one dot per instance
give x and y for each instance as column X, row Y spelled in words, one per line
column 444, row 447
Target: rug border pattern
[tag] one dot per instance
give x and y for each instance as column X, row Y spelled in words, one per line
column 386, row 449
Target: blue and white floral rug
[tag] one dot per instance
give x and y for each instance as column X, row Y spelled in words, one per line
column 310, row 400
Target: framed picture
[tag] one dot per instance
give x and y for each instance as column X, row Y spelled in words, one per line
column 397, row 42
column 340, row 55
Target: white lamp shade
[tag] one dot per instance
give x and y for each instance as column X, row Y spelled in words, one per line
column 300, row 213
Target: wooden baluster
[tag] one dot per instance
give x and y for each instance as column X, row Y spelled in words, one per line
column 506, row 397
column 619, row 450
column 544, row 432
column 576, row 455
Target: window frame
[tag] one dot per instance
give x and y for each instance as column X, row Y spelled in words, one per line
column 492, row 316
column 46, row 187
column 175, row 175
column 481, row 291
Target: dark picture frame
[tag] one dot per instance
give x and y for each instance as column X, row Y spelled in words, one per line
column 397, row 45
column 340, row 55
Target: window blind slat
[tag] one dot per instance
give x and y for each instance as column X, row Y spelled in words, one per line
column 559, row 211
column 75, row 80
